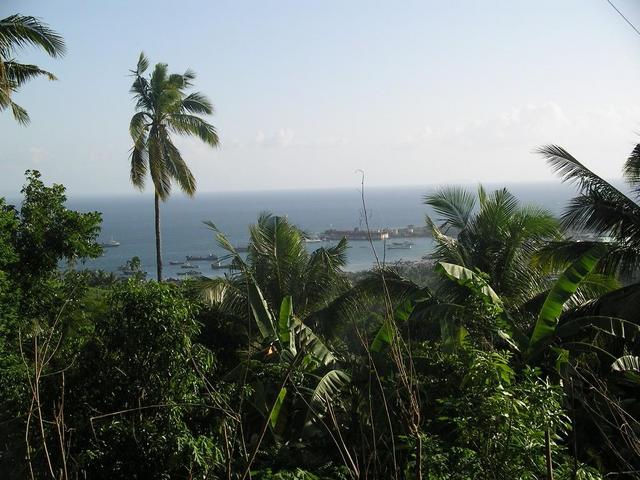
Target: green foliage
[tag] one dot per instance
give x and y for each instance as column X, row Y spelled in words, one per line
column 16, row 33
column 145, row 380
column 47, row 232
column 145, row 384
column 562, row 290
column 600, row 208
column 498, row 238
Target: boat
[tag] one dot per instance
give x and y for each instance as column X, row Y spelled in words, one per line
column 189, row 265
column 176, row 262
column 400, row 246
column 110, row 244
column 313, row 240
column 202, row 258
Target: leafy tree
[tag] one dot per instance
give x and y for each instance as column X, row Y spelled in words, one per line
column 37, row 306
column 48, row 232
column 140, row 402
column 16, row 33
column 164, row 108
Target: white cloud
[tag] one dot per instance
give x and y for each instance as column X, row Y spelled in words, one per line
column 281, row 138
column 530, row 124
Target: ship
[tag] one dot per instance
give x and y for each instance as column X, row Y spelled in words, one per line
column 400, row 246
column 189, row 265
column 110, row 244
column 176, row 262
column 202, row 258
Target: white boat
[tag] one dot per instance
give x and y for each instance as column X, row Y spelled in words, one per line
column 400, row 246
column 110, row 244
column 198, row 258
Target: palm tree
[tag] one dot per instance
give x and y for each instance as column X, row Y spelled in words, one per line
column 16, row 33
column 280, row 265
column 499, row 238
column 164, row 108
column 600, row 208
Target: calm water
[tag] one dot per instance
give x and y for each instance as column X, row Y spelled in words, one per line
column 129, row 220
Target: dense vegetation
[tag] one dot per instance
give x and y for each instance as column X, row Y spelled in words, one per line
column 291, row 369
column 515, row 354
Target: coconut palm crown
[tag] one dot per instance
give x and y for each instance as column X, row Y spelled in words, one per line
column 16, row 33
column 163, row 109
column 498, row 236
column 600, row 208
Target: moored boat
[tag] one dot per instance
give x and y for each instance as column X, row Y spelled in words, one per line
column 110, row 244
column 202, row 258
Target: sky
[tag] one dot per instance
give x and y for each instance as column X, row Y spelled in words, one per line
column 307, row 92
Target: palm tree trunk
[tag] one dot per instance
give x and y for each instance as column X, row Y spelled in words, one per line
column 547, row 442
column 158, row 243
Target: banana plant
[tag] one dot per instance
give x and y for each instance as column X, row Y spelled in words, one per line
column 284, row 338
column 298, row 347
column 552, row 330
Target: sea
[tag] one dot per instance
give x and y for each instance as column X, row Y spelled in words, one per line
column 129, row 220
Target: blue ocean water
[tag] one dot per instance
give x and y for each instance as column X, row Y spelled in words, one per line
column 129, row 220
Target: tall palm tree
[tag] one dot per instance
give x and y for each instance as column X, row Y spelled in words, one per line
column 600, row 208
column 164, row 108
column 498, row 238
column 16, row 33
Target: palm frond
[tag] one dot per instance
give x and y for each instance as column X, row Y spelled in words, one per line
column 197, row 103
column 631, row 170
column 186, row 124
column 448, row 249
column 138, row 126
column 142, row 65
column 454, row 206
column 19, row 113
column 177, row 167
column 571, row 170
column 139, row 163
column 20, row 31
column 157, row 165
column 16, row 74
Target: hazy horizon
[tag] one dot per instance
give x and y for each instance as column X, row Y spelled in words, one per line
column 415, row 93
column 356, row 187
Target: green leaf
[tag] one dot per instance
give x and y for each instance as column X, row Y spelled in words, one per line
column 464, row 276
column 277, row 406
column 308, row 343
column 284, row 320
column 326, row 391
column 561, row 291
column 383, row 337
column 387, row 330
column 260, row 309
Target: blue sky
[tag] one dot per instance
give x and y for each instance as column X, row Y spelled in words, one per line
column 306, row 92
